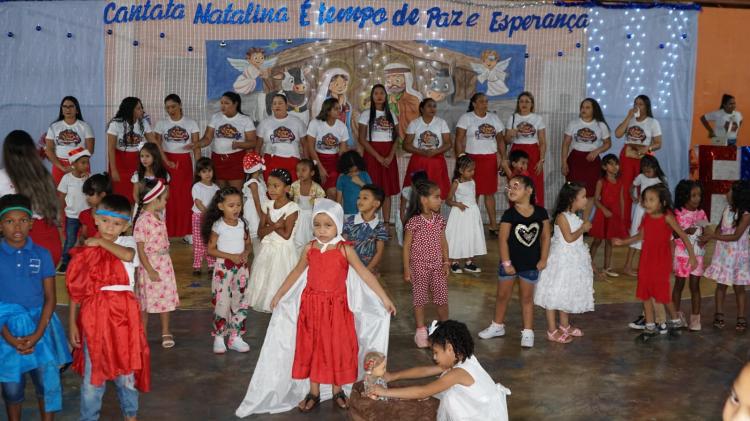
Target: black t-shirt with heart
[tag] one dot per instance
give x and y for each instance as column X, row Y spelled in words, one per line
column 525, row 239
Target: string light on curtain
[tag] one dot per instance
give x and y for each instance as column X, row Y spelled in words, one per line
column 596, row 56
column 667, row 70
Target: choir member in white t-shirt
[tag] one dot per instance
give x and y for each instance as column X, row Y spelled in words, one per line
column 280, row 137
column 326, row 140
column 479, row 133
column 726, row 121
column 642, row 135
column 428, row 137
column 526, row 131
column 588, row 136
column 127, row 132
column 231, row 134
column 66, row 133
column 177, row 134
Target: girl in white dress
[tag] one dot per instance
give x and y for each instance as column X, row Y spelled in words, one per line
column 305, row 190
column 465, row 390
column 464, row 231
column 278, row 255
column 254, row 193
column 566, row 285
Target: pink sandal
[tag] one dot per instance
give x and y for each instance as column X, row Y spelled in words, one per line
column 572, row 331
column 563, row 337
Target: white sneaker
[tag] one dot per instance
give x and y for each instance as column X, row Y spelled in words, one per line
column 493, row 331
column 237, row 344
column 188, row 239
column 219, row 346
column 527, row 338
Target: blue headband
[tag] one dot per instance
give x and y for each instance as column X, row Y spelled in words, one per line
column 16, row 208
column 106, row 212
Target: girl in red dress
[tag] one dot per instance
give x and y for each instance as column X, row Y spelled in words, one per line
column 608, row 220
column 326, row 348
column 655, row 265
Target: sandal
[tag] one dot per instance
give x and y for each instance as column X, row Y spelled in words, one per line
column 341, row 395
column 494, row 232
column 167, row 341
column 562, row 338
column 741, row 324
column 610, row 273
column 719, row 320
column 315, row 399
column 572, row 331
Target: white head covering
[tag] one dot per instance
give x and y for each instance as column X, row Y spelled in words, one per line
column 408, row 77
column 322, row 94
column 336, row 212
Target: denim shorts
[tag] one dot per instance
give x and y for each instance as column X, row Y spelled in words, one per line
column 13, row 391
column 529, row 276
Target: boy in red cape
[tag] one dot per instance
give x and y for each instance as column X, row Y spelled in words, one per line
column 107, row 336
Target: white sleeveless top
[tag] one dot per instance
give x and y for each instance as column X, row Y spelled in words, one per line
column 482, row 401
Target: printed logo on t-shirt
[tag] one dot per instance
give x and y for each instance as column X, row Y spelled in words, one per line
column 328, row 142
column 228, row 131
column 586, row 135
column 730, row 126
column 527, row 234
column 68, row 137
column 177, row 134
column 636, row 134
column 526, row 129
column 131, row 139
column 381, row 124
column 35, row 265
column 485, row 132
column 427, row 140
column 282, row 135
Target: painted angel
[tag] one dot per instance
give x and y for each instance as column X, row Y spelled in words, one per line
column 254, row 68
column 491, row 73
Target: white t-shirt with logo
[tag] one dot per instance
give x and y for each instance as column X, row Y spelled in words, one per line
column 481, row 132
column 587, row 136
column 75, row 200
column 203, row 193
column 231, row 238
column 67, row 137
column 725, row 125
column 327, row 138
column 282, row 137
column 176, row 134
column 129, row 140
column 228, row 130
column 642, row 132
column 382, row 130
column 428, row 136
column 527, row 128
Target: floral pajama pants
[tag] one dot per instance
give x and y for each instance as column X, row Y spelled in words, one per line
column 229, row 297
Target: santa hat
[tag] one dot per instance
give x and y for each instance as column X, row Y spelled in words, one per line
column 253, row 162
column 77, row 153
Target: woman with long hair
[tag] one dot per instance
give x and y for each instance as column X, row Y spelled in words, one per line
column 325, row 141
column 231, row 134
column 66, row 133
column 588, row 136
column 642, row 135
column 727, row 121
column 25, row 174
column 526, row 132
column 127, row 132
column 177, row 134
column 427, row 139
column 280, row 137
column 378, row 131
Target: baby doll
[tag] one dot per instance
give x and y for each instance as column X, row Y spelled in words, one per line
column 375, row 368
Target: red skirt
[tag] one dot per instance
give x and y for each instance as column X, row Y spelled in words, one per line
column 534, row 156
column 436, row 169
column 629, row 170
column 386, row 178
column 46, row 235
column 582, row 171
column 275, row 161
column 57, row 173
column 326, row 346
column 180, row 201
column 228, row 166
column 126, row 164
column 329, row 161
column 485, row 176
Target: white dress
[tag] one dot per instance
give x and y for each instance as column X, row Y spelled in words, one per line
column 304, row 232
column 276, row 259
column 482, row 401
column 567, row 283
column 250, row 213
column 637, row 213
column 464, row 230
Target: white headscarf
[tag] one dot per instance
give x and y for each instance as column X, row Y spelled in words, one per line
column 408, row 78
column 322, row 94
column 336, row 213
